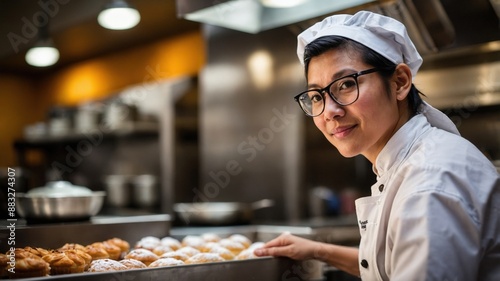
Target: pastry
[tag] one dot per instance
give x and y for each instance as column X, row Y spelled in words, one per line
column 256, row 245
column 80, row 250
column 173, row 243
column 36, row 251
column 27, row 265
column 241, row 239
column 208, row 246
column 232, row 246
column 204, row 258
column 122, row 244
column 175, row 255
column 143, row 255
column 148, row 242
column 246, row 254
column 193, row 241
column 132, row 264
column 161, row 249
column 72, row 246
column 223, row 252
column 96, row 251
column 190, row 251
column 4, row 260
column 210, row 237
column 166, row 262
column 113, row 250
column 106, row 265
column 65, row 262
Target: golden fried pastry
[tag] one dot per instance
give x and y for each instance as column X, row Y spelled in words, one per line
column 204, row 258
column 27, row 265
column 143, row 255
column 173, row 243
column 65, row 262
column 106, row 265
column 122, row 244
column 231, row 245
column 190, row 251
column 97, row 252
column 193, row 241
column 148, row 242
column 162, row 249
column 36, row 251
column 223, row 252
column 210, row 237
column 4, row 260
column 113, row 250
column 246, row 254
column 241, row 239
column 72, row 246
column 79, row 250
column 166, row 262
column 175, row 255
column 208, row 246
column 256, row 245
column 132, row 264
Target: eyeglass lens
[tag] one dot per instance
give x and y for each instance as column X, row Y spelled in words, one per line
column 343, row 91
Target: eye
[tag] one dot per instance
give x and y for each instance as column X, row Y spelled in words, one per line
column 315, row 97
column 347, row 84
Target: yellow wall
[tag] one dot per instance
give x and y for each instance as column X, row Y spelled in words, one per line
column 25, row 100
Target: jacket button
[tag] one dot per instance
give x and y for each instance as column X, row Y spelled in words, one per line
column 381, row 187
column 364, row 263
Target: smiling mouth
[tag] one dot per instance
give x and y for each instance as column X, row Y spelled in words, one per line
column 342, row 132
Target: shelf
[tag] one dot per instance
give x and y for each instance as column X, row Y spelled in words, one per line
column 128, row 130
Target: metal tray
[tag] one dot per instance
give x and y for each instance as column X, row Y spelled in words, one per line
column 260, row 269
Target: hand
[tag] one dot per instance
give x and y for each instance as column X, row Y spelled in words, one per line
column 288, row 245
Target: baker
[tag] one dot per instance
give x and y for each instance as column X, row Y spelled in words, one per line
column 434, row 212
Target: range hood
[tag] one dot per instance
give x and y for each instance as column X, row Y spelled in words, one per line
column 253, row 16
column 433, row 25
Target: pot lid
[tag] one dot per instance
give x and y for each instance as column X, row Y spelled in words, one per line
column 60, row 189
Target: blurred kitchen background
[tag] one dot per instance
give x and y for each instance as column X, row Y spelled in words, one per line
column 195, row 102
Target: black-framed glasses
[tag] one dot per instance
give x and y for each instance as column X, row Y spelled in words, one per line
column 344, row 91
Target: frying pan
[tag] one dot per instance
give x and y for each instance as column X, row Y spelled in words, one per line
column 218, row 213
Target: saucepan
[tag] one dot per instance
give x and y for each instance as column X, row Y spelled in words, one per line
column 219, row 213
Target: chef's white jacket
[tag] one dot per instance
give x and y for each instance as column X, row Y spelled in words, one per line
column 434, row 213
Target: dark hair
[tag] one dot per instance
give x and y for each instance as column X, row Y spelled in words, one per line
column 368, row 56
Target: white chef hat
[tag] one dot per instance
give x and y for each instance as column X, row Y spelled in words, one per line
column 384, row 35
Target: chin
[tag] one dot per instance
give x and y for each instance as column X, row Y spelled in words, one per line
column 347, row 152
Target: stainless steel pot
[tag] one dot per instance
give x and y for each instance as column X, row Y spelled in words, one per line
column 59, row 201
column 218, row 213
column 59, row 208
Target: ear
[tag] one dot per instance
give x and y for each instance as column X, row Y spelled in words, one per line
column 403, row 79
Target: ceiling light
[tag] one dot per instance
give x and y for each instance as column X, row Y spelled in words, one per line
column 118, row 15
column 281, row 3
column 43, row 53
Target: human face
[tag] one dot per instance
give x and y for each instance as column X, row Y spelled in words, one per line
column 365, row 126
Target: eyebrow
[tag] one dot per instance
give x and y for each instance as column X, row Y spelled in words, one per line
column 337, row 75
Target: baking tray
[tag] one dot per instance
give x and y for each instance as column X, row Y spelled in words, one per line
column 260, row 269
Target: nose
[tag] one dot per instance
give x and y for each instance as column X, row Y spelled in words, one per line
column 332, row 109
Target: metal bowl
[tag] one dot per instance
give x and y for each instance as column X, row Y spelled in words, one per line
column 57, row 208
